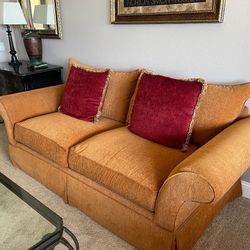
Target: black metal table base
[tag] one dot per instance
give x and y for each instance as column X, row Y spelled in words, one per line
column 65, row 242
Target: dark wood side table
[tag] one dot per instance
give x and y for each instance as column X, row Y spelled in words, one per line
column 22, row 78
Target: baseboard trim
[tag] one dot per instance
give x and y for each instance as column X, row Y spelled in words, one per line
column 245, row 189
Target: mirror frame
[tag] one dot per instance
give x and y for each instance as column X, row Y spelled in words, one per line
column 52, row 34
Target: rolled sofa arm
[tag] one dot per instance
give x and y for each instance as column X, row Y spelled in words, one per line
column 205, row 176
column 18, row 107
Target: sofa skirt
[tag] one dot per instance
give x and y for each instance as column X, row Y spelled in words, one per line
column 44, row 171
column 125, row 219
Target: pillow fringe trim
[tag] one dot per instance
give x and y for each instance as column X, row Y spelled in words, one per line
column 132, row 101
column 99, row 111
column 194, row 116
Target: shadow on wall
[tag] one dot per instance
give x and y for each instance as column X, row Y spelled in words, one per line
column 4, row 47
column 248, row 104
column 246, row 176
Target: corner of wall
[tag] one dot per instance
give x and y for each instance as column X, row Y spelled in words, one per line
column 245, row 189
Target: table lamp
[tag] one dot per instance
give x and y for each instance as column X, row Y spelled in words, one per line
column 11, row 14
column 44, row 14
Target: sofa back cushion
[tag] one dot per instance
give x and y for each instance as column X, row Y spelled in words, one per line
column 120, row 90
column 220, row 106
column 72, row 61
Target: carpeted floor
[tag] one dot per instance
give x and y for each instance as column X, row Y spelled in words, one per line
column 229, row 231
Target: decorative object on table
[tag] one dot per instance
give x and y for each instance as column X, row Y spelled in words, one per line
column 167, row 11
column 11, row 14
column 43, row 16
column 24, row 78
column 33, row 45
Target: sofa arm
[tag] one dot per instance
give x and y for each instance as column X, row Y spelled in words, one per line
column 205, row 176
column 18, row 107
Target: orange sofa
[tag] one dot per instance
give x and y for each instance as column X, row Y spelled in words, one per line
column 150, row 195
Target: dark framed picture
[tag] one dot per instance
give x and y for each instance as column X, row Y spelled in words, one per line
column 166, row 11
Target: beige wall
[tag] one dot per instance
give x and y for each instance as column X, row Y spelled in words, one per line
column 217, row 52
column 4, row 54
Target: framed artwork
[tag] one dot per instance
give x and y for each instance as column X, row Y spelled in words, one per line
column 166, row 11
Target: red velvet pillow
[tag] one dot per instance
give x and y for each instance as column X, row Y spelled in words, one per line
column 84, row 93
column 164, row 109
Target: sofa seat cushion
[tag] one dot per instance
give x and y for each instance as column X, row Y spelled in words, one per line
column 127, row 164
column 52, row 135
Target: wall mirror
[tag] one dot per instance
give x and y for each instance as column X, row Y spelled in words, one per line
column 43, row 16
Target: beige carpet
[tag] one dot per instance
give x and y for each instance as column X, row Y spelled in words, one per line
column 229, row 231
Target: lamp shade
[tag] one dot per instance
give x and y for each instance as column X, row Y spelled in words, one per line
column 44, row 14
column 11, row 14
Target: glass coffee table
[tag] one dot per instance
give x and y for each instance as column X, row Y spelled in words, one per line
column 25, row 223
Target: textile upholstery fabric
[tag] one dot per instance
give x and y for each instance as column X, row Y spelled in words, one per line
column 207, row 174
column 125, row 162
column 44, row 171
column 164, row 109
column 53, row 134
column 84, row 93
column 119, row 92
column 220, row 106
column 187, row 200
column 189, row 233
column 120, row 219
column 28, row 104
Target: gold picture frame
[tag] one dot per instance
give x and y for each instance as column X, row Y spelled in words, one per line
column 166, row 11
column 55, row 31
